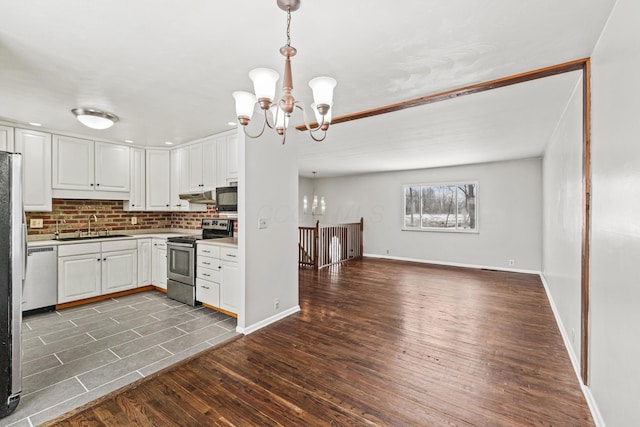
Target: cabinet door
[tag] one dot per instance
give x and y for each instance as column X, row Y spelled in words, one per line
column 36, row 169
column 232, row 158
column 73, row 163
column 6, row 139
column 112, row 167
column 210, row 163
column 137, row 192
column 159, row 263
column 184, row 170
column 119, row 271
column 230, row 292
column 176, row 203
column 144, row 262
column 158, row 182
column 79, row 277
column 195, row 168
column 208, row 292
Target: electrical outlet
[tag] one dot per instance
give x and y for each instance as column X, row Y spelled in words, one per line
column 262, row 223
column 276, row 303
column 512, row 263
column 134, row 220
column 35, row 223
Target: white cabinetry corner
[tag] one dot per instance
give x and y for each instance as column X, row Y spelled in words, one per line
column 158, row 180
column 88, row 169
column 36, row 169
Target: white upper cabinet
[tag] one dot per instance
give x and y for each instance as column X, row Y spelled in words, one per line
column 36, row 169
column 112, row 167
column 73, row 163
column 202, row 165
column 176, row 203
column 84, row 165
column 6, row 139
column 158, row 180
column 232, row 157
column 137, row 200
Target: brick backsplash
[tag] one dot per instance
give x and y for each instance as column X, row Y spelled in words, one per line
column 111, row 215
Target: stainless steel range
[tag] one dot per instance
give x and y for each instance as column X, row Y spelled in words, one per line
column 181, row 259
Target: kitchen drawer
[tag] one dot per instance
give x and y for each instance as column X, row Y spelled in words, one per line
column 208, row 292
column 229, row 254
column 208, row 274
column 207, row 262
column 79, row 249
column 119, row 245
column 208, row 250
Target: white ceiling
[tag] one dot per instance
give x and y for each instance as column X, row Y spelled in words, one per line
column 167, row 69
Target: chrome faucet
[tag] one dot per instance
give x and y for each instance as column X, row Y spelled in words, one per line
column 57, row 233
column 95, row 218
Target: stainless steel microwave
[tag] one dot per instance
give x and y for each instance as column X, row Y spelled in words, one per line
column 227, row 199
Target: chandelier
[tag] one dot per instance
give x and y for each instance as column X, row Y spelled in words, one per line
column 264, row 84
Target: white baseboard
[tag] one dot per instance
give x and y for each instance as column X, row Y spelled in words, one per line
column 453, row 264
column 575, row 361
column 261, row 324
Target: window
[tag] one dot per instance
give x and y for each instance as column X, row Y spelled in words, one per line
column 440, row 207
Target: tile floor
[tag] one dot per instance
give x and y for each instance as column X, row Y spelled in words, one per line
column 73, row 356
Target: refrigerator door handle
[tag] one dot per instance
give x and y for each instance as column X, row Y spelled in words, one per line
column 24, row 246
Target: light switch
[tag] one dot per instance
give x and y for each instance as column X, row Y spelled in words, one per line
column 262, row 223
column 35, row 223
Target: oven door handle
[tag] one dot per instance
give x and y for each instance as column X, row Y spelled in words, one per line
column 183, row 245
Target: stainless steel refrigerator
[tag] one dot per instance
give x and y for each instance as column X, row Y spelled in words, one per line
column 12, row 271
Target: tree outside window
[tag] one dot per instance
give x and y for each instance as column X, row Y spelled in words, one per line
column 449, row 207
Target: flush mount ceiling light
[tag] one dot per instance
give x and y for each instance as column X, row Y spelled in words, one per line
column 95, row 119
column 264, row 84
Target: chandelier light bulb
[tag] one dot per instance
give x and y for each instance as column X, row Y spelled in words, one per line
column 264, row 84
column 322, row 88
column 245, row 103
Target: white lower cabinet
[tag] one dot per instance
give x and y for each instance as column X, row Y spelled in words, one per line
column 144, row 262
column 218, row 277
column 87, row 270
column 79, row 277
column 208, row 273
column 230, row 293
column 119, row 271
column 159, row 263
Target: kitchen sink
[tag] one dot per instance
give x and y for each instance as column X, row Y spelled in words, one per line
column 72, row 239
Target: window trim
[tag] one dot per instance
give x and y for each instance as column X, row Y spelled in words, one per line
column 438, row 229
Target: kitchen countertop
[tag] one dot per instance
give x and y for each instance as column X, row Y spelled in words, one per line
column 127, row 234
column 226, row 241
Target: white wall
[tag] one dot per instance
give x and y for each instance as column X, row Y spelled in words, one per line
column 509, row 218
column 562, row 220
column 615, row 238
column 268, row 189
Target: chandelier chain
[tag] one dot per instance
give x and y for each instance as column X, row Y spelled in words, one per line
column 288, row 26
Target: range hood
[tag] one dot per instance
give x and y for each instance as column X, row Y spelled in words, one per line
column 203, row 198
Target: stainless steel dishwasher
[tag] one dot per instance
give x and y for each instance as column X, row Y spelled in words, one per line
column 40, row 287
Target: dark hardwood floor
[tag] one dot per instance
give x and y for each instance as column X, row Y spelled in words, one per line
column 377, row 342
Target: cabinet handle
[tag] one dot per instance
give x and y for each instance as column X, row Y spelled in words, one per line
column 98, row 259
column 167, row 205
column 206, row 263
column 207, row 252
column 97, row 185
column 219, row 266
column 204, row 287
column 205, row 274
column 92, row 184
column 104, row 259
column 231, row 255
